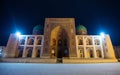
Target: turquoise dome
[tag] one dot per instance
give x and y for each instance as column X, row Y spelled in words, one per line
column 81, row 30
column 38, row 30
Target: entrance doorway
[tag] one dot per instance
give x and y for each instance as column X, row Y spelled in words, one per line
column 59, row 56
column 59, row 43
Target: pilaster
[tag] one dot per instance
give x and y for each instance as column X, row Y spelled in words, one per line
column 95, row 56
column 84, row 44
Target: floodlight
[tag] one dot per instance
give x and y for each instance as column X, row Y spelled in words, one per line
column 102, row 34
column 18, row 33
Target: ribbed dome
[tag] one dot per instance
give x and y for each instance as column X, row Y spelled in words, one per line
column 81, row 30
column 38, row 30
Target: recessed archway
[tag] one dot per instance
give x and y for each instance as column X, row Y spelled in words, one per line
column 59, row 43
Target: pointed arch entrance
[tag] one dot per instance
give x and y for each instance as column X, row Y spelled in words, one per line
column 59, row 43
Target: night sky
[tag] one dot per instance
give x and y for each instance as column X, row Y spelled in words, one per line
column 96, row 15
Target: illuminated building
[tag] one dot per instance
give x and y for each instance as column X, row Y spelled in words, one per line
column 61, row 42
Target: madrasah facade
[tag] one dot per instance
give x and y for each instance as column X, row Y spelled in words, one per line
column 61, row 42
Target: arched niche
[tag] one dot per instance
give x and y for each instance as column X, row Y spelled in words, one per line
column 39, row 41
column 29, row 51
column 38, row 51
column 98, row 53
column 20, row 51
column 80, row 41
column 89, row 41
column 59, row 43
column 97, row 42
column 90, row 52
column 30, row 41
column 81, row 52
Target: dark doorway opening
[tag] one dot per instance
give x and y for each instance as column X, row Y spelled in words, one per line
column 59, row 55
column 59, row 43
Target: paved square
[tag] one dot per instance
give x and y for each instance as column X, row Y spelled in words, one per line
column 59, row 69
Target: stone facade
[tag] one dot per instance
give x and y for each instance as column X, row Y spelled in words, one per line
column 60, row 29
column 117, row 51
column 60, row 42
column 94, row 46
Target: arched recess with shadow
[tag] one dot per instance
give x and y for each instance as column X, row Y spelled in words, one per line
column 59, row 43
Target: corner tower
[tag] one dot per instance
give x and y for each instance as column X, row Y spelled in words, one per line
column 59, row 37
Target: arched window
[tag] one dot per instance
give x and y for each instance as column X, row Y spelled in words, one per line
column 91, row 54
column 88, row 41
column 20, row 51
column 39, row 42
column 81, row 52
column 39, row 39
column 98, row 53
column 97, row 42
column 30, row 42
column 80, row 42
column 29, row 52
column 22, row 41
column 38, row 52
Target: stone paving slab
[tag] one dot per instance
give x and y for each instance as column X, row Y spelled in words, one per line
column 59, row 69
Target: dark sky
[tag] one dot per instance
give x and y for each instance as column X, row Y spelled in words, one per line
column 96, row 15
